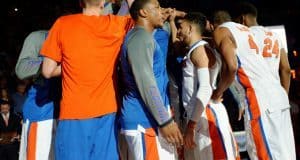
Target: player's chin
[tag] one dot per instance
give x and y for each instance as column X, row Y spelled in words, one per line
column 161, row 24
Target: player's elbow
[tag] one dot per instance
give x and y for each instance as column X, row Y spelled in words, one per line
column 232, row 69
column 46, row 72
column 285, row 70
column 48, row 67
column 18, row 73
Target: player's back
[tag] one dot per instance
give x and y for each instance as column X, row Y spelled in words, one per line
column 254, row 72
column 247, row 52
column 87, row 47
column 269, row 45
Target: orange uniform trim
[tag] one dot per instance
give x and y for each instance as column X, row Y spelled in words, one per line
column 250, row 93
column 216, row 140
column 31, row 144
column 262, row 152
column 151, row 145
column 256, row 128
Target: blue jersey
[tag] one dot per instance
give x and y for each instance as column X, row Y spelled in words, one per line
column 42, row 101
column 134, row 110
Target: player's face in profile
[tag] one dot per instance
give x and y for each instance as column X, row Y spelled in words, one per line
column 183, row 30
column 155, row 13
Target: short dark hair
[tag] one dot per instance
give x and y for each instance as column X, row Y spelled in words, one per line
column 136, row 6
column 198, row 19
column 220, row 17
column 243, row 8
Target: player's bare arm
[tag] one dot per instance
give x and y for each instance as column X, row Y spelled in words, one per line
column 284, row 70
column 226, row 46
column 50, row 68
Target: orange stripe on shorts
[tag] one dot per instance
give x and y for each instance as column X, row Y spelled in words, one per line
column 151, row 145
column 31, row 144
column 216, row 140
column 257, row 133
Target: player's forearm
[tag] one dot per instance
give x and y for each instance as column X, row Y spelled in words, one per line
column 173, row 31
column 180, row 13
column 203, row 94
column 50, row 68
column 285, row 78
column 151, row 96
column 284, row 70
column 226, row 79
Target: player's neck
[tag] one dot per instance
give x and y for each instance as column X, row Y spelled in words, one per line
column 251, row 24
column 92, row 11
column 194, row 39
column 254, row 23
column 145, row 24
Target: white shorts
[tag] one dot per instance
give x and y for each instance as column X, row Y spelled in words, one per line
column 270, row 136
column 37, row 140
column 145, row 144
column 214, row 137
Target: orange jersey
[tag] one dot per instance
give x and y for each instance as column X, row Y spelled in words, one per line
column 87, row 48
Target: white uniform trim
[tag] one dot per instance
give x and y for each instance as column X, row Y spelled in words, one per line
column 44, row 140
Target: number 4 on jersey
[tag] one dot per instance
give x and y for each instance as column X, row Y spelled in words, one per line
column 252, row 44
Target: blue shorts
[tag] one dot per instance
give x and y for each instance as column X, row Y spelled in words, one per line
column 88, row 139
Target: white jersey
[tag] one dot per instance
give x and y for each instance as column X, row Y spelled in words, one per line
column 269, row 45
column 264, row 92
column 214, row 138
column 190, row 86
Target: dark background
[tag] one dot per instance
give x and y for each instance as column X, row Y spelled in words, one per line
column 20, row 17
column 39, row 14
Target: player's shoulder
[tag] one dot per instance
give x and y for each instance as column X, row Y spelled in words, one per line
column 221, row 31
column 139, row 36
column 68, row 18
column 37, row 35
column 120, row 18
column 140, row 33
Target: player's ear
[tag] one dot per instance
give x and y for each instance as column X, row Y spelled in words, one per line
column 190, row 28
column 143, row 13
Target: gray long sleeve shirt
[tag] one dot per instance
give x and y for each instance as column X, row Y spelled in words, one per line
column 29, row 60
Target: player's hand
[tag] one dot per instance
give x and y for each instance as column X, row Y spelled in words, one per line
column 217, row 97
column 172, row 134
column 166, row 12
column 179, row 13
column 172, row 14
column 189, row 136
